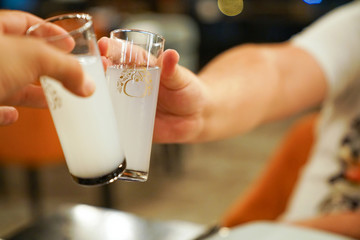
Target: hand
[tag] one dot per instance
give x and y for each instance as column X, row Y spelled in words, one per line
column 25, row 59
column 181, row 102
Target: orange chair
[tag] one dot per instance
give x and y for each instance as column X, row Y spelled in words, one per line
column 31, row 143
column 268, row 196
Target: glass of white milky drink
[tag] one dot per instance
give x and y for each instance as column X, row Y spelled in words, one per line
column 133, row 77
column 87, row 127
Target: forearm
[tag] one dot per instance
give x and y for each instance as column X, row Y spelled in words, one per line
column 346, row 224
column 254, row 84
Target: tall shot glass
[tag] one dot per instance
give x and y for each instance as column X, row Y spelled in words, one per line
column 86, row 127
column 133, row 78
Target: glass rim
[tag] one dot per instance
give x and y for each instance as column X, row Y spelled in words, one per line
column 162, row 39
column 81, row 29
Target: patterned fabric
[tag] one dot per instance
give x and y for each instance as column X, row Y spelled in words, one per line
column 329, row 182
column 345, row 185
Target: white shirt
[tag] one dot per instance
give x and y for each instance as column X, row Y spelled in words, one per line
column 334, row 41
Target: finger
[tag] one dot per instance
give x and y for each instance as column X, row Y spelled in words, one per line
column 172, row 75
column 103, row 44
column 64, row 68
column 29, row 96
column 120, row 52
column 8, row 115
column 106, row 62
column 50, row 31
column 16, row 22
column 110, row 48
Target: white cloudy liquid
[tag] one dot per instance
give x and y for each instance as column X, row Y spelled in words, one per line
column 86, row 127
column 134, row 94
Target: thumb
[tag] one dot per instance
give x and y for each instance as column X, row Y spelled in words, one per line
column 173, row 76
column 170, row 74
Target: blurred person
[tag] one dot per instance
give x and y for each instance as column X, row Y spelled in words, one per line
column 253, row 84
column 23, row 60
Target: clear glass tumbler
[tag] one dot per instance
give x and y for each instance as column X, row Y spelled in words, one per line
column 133, row 78
column 87, row 127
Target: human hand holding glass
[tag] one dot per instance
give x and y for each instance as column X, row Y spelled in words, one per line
column 24, row 60
column 181, row 100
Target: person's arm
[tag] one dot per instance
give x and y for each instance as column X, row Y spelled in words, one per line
column 238, row 90
column 254, row 84
column 346, row 223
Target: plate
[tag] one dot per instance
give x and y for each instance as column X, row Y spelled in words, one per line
column 274, row 231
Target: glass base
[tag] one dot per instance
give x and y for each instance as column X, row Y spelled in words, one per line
column 134, row 176
column 105, row 179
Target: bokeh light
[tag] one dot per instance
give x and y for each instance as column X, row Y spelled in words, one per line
column 231, row 7
column 312, row 1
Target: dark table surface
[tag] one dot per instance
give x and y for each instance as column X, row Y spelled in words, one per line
column 83, row 222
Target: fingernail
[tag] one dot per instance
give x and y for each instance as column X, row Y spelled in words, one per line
column 8, row 115
column 88, row 86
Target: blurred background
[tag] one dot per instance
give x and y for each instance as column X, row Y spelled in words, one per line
column 194, row 182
